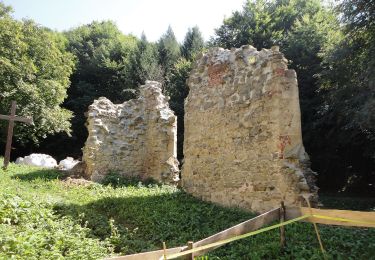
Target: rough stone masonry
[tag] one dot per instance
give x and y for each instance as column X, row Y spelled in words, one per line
column 243, row 144
column 136, row 138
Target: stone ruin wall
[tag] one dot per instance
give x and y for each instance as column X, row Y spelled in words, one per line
column 135, row 138
column 243, row 144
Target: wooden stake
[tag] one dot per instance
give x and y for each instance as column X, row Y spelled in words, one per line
column 165, row 251
column 8, row 145
column 190, row 245
column 316, row 229
column 282, row 228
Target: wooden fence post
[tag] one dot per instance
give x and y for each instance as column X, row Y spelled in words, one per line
column 282, row 228
column 164, row 251
column 190, row 245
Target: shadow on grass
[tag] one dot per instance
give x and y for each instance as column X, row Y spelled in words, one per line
column 42, row 174
column 136, row 224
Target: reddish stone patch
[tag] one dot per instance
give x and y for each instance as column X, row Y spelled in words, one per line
column 216, row 73
column 284, row 141
column 280, row 72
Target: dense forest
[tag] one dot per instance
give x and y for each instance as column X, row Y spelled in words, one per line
column 54, row 76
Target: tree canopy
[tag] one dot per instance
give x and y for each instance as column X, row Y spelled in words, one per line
column 144, row 63
column 193, row 43
column 169, row 50
column 35, row 71
column 345, row 119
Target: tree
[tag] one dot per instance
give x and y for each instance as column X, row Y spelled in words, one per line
column 193, row 43
column 169, row 51
column 249, row 26
column 144, row 63
column 102, row 53
column 358, row 15
column 34, row 71
column 263, row 23
column 346, row 117
column 5, row 10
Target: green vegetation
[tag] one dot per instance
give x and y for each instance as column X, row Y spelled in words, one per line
column 34, row 71
column 45, row 216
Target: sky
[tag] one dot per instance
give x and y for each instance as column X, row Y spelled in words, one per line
column 131, row 16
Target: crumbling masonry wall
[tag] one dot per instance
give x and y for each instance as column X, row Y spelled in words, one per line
column 243, row 143
column 136, row 138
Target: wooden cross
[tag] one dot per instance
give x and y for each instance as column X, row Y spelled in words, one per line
column 11, row 120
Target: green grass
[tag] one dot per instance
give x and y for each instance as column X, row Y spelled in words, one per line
column 44, row 217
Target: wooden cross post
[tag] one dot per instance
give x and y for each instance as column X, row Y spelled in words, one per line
column 11, row 120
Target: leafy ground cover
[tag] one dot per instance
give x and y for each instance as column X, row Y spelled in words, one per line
column 45, row 216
